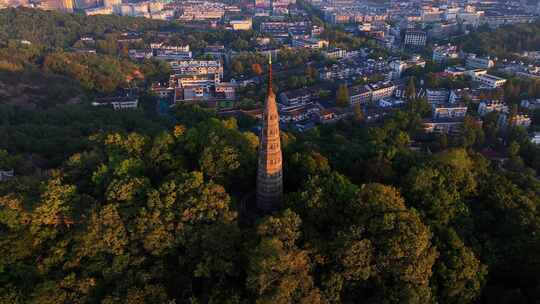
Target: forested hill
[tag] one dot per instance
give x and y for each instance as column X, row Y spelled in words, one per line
column 56, row 30
column 139, row 218
column 36, row 45
column 504, row 40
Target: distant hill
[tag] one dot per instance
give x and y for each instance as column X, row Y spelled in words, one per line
column 503, row 41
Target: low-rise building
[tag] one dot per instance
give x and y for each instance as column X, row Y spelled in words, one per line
column 474, row 62
column 312, row 43
column 390, row 102
column 6, row 175
column 488, row 106
column 99, row 11
column 225, row 90
column 124, row 102
column 443, row 29
column 449, row 111
column 359, row 94
column 458, row 95
column 381, row 90
column 531, row 104
column 241, row 25
column 535, row 138
column 297, row 113
column 496, row 19
column 444, row 53
column 163, row 46
column 439, row 96
column 386, row 41
column 171, row 52
column 140, row 54
column 485, row 79
column 415, row 38
column 331, row 115
column 338, row 53
column 443, row 126
column 199, row 11
column 198, row 67
column 518, row 120
column 399, row 66
column 294, row 97
column 455, row 71
column 162, row 90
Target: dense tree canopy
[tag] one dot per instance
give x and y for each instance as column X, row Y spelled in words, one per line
column 148, row 217
column 504, row 40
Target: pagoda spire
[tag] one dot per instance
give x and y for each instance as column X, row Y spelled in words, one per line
column 270, row 89
column 269, row 171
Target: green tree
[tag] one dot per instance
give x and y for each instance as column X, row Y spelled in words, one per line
column 358, row 113
column 238, row 67
column 342, row 96
column 458, row 273
column 279, row 271
column 410, row 90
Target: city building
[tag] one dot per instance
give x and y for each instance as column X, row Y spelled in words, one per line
column 443, row 29
column 332, row 115
column 198, row 81
column 458, row 95
column 167, row 52
column 469, row 16
column 335, row 53
column 485, row 79
column 200, row 11
column 263, row 4
column 399, row 66
column 535, row 138
column 531, row 104
column 474, row 62
column 495, row 19
column 449, row 126
column 488, row 106
column 114, row 4
column 415, row 38
column 6, row 175
column 241, row 25
column 443, row 53
column 297, row 113
column 102, row 10
column 269, row 170
column 390, row 102
column 294, row 97
column 381, row 90
column 518, row 120
column 161, row 46
column 56, row 5
column 449, row 111
column 312, row 43
column 84, row 4
column 198, row 68
column 360, row 94
column 439, row 96
column 124, row 102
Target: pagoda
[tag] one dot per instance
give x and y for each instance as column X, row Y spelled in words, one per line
column 269, row 170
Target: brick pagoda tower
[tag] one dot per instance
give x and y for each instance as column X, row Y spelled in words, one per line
column 269, row 171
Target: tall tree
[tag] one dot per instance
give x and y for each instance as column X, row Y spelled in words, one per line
column 279, row 271
column 342, row 96
column 410, row 90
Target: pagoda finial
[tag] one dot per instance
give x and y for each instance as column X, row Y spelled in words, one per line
column 270, row 89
